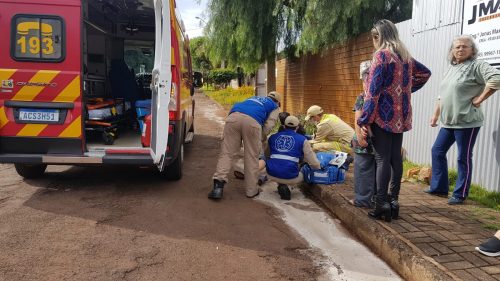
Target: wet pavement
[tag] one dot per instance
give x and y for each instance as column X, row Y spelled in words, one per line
column 343, row 257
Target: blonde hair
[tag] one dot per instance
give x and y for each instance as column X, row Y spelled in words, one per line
column 464, row 37
column 388, row 35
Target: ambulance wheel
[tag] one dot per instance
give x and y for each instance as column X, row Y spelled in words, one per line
column 30, row 171
column 108, row 138
column 173, row 171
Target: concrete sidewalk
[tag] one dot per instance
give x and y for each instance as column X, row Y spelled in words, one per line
column 430, row 241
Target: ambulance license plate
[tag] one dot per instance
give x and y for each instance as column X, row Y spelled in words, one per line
column 39, row 115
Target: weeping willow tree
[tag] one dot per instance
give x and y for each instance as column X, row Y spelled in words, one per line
column 199, row 55
column 247, row 33
column 331, row 21
column 244, row 33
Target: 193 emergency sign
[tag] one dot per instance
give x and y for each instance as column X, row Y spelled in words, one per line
column 37, row 38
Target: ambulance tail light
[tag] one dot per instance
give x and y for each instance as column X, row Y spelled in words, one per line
column 174, row 93
column 172, row 115
column 173, row 104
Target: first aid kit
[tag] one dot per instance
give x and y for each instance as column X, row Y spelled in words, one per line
column 333, row 168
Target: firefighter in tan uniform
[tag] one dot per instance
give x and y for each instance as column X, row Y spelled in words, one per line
column 249, row 121
column 331, row 132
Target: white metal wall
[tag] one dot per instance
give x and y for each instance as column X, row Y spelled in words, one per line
column 260, row 81
column 432, row 14
column 428, row 36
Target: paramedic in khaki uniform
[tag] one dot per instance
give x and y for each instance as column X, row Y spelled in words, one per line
column 249, row 121
column 286, row 148
column 331, row 132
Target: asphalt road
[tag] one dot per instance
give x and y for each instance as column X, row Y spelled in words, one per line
column 122, row 223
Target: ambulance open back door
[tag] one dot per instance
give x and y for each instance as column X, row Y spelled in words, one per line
column 57, row 90
column 161, row 82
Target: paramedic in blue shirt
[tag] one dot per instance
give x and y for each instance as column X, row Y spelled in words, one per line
column 249, row 121
column 286, row 149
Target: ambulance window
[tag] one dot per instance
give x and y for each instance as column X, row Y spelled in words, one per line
column 37, row 38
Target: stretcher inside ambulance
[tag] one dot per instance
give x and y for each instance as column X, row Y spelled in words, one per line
column 94, row 82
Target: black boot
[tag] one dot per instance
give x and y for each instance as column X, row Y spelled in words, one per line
column 284, row 192
column 394, row 207
column 381, row 210
column 216, row 193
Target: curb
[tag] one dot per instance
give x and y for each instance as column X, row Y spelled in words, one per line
column 400, row 254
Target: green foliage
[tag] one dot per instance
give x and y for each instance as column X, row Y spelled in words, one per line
column 229, row 96
column 452, row 178
column 330, row 21
column 489, row 218
column 492, row 226
column 199, row 55
column 242, row 32
column 221, row 77
column 247, row 33
column 308, row 125
column 481, row 195
column 477, row 193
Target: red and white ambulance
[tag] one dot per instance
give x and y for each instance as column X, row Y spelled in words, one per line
column 71, row 69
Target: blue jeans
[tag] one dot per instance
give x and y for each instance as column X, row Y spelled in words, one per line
column 364, row 178
column 465, row 139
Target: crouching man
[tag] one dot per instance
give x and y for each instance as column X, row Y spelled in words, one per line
column 332, row 133
column 249, row 121
column 286, row 148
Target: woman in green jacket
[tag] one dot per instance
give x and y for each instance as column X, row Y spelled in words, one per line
column 467, row 83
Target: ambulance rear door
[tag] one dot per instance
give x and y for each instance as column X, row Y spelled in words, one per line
column 161, row 82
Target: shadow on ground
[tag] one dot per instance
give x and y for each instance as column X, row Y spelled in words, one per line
column 136, row 198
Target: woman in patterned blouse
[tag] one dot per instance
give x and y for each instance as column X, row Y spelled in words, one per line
column 394, row 75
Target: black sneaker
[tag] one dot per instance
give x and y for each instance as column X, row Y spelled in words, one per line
column 490, row 248
column 284, row 192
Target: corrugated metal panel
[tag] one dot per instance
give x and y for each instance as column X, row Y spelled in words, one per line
column 426, row 14
column 432, row 18
column 430, row 48
column 451, row 12
column 417, row 20
column 431, row 14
